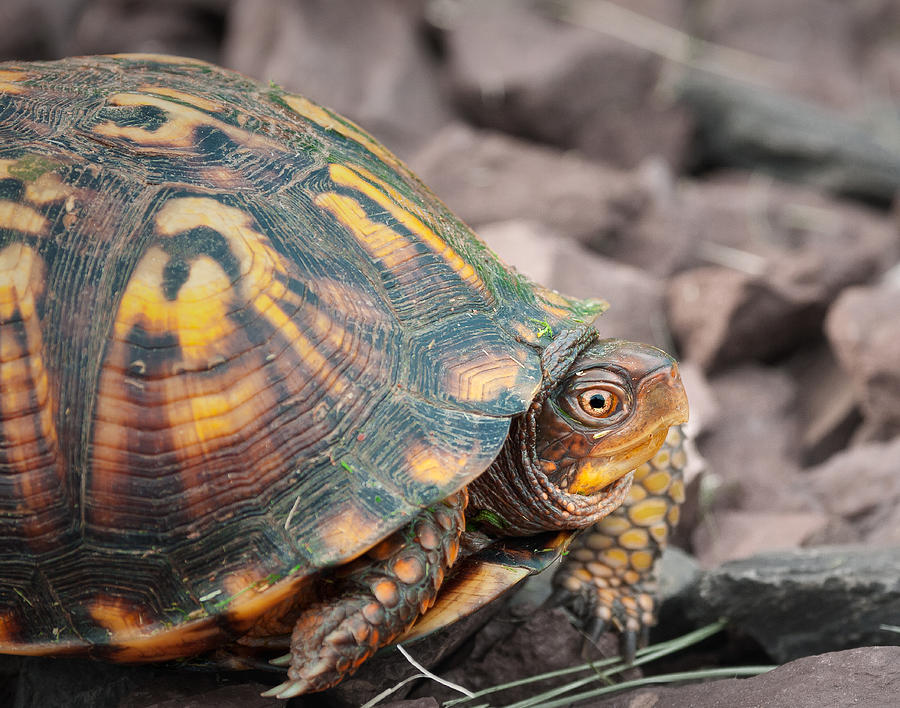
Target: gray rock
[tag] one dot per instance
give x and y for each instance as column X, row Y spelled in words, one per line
column 802, row 602
column 869, row 676
column 521, row 72
column 804, row 48
column 367, row 61
column 745, row 126
column 486, row 177
column 864, row 331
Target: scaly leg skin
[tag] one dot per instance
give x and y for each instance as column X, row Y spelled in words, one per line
column 376, row 598
column 607, row 579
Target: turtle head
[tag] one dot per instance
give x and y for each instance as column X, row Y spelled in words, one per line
column 609, row 415
column 605, row 409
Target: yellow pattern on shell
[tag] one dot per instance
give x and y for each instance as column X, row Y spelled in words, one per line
column 179, row 130
column 403, row 211
column 18, row 217
column 25, row 406
column 203, row 104
column 44, row 189
column 325, row 119
column 9, row 79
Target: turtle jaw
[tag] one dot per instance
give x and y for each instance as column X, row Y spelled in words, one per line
column 662, row 403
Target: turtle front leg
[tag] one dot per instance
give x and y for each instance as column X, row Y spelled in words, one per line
column 374, row 600
column 607, row 578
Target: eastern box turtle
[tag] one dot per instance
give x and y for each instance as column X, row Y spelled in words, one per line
column 258, row 382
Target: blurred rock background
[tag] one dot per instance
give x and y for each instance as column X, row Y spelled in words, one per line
column 723, row 172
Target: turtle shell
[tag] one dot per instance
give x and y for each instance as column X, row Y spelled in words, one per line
column 239, row 343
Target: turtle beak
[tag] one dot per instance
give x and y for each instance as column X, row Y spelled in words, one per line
column 660, row 402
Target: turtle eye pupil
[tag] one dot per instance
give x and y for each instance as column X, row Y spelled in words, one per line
column 598, row 403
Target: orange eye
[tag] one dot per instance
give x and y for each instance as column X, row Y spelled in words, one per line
column 598, row 402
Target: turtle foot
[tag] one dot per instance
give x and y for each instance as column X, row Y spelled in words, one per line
column 372, row 601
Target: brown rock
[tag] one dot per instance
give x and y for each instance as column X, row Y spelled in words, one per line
column 779, row 257
column 519, row 71
column 31, row 30
column 368, row 61
column 521, row 643
column 826, row 405
column 729, row 535
column 636, row 299
column 861, row 486
column 486, row 177
column 237, row 696
column 191, row 28
column 864, row 331
column 751, row 449
column 868, row 676
column 805, row 47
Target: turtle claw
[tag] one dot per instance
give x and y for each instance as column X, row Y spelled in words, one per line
column 595, row 628
column 628, row 643
column 284, row 660
column 288, row 689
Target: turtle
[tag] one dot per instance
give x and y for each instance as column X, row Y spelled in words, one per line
column 259, row 385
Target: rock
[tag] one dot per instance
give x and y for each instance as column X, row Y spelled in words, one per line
column 49, row 29
column 486, row 177
column 82, row 683
column 868, row 676
column 720, row 316
column 521, row 72
column 246, row 695
column 192, row 28
column 368, row 61
column 521, row 643
column 751, row 449
column 413, row 703
column 38, row 27
column 759, row 129
column 806, row 601
column 864, row 331
column 636, row 299
column 738, row 534
column 760, row 265
column 826, row 405
column 862, row 487
column 804, row 48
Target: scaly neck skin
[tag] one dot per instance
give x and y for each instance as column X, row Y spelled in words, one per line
column 514, row 497
column 603, row 409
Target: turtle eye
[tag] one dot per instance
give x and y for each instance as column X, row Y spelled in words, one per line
column 598, row 402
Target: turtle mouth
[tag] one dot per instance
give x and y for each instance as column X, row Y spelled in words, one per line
column 596, row 474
